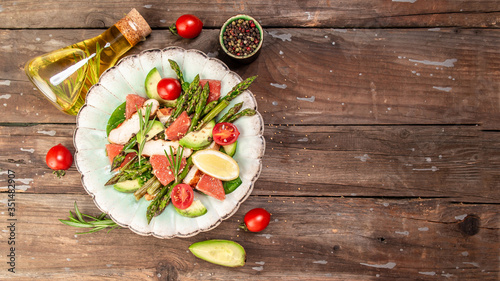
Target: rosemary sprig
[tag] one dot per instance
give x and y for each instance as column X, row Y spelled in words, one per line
column 175, row 163
column 145, row 126
column 95, row 223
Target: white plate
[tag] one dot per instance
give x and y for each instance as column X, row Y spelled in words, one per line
column 127, row 77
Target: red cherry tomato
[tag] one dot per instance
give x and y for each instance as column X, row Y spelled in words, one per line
column 169, row 88
column 59, row 159
column 188, row 26
column 225, row 133
column 182, row 196
column 257, row 219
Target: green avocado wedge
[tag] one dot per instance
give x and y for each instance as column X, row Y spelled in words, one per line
column 150, row 84
column 116, row 118
column 229, row 149
column 156, row 128
column 221, row 252
column 128, row 186
column 198, row 139
column 195, row 210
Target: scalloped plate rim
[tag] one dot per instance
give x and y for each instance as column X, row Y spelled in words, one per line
column 220, row 219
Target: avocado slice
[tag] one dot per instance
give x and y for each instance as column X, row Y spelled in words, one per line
column 195, row 210
column 229, row 149
column 156, row 128
column 152, row 80
column 128, row 185
column 221, row 252
column 198, row 139
column 151, row 84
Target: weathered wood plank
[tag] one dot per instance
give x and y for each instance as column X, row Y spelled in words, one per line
column 342, row 239
column 458, row 163
column 317, row 76
column 33, row 14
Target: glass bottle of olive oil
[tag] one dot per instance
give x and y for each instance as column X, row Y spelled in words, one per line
column 64, row 76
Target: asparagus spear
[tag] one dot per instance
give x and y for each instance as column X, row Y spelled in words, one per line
column 161, row 200
column 224, row 102
column 199, row 107
column 153, row 181
column 116, row 177
column 233, row 110
column 244, row 112
column 135, row 173
column 193, row 86
column 211, row 115
column 118, row 160
column 180, row 76
column 154, row 187
column 194, row 100
column 239, row 88
column 182, row 101
column 209, row 107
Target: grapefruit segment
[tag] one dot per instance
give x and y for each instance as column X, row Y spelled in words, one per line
column 179, row 127
column 215, row 86
column 212, row 187
column 133, row 102
column 113, row 149
column 162, row 170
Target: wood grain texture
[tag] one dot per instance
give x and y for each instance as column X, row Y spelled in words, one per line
column 331, row 246
column 317, row 76
column 358, row 13
column 458, row 164
column 382, row 155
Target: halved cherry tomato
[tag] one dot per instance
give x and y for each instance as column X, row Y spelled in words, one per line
column 182, row 196
column 257, row 219
column 169, row 88
column 59, row 159
column 225, row 133
column 188, row 26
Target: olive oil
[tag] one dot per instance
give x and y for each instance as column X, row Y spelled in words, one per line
column 65, row 76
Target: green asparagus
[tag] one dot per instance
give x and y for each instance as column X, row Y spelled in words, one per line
column 116, row 177
column 239, row 88
column 232, row 111
column 118, row 160
column 211, row 115
column 244, row 112
column 199, row 107
column 161, row 200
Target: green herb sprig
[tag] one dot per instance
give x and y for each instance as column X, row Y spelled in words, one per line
column 95, row 223
column 175, row 163
column 145, row 126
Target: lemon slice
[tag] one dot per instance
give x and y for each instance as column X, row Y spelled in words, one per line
column 216, row 164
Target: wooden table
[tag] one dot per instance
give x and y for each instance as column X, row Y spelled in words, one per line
column 382, row 143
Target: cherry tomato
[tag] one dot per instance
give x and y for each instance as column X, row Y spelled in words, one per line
column 188, row 26
column 59, row 159
column 257, row 219
column 182, row 196
column 169, row 88
column 225, row 133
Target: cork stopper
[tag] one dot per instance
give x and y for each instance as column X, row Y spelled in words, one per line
column 134, row 27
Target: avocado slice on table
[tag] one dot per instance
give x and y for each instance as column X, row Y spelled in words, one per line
column 221, row 252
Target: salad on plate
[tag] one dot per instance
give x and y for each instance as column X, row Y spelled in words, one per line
column 176, row 146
